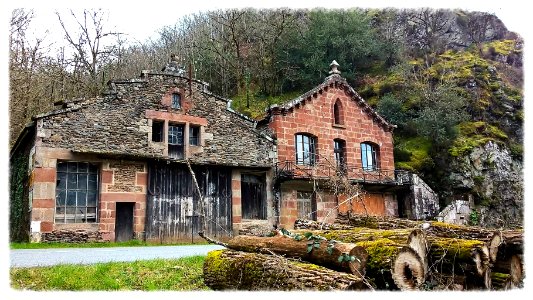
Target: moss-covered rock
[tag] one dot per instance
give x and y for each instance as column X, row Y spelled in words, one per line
column 475, row 134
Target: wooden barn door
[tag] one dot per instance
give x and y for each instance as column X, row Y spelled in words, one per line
column 253, row 197
column 124, row 221
column 173, row 210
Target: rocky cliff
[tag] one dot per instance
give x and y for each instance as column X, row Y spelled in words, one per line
column 495, row 179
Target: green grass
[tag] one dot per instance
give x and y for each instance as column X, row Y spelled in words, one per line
column 183, row 274
column 132, row 243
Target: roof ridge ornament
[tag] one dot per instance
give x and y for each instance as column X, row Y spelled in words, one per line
column 334, row 65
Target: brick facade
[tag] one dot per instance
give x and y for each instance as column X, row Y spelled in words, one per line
column 332, row 111
column 314, row 115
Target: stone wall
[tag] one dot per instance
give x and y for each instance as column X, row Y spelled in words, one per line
column 72, row 236
column 120, row 181
column 422, row 202
column 120, row 123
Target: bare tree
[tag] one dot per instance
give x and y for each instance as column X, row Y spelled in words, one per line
column 88, row 41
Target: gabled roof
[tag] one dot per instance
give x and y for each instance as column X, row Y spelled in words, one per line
column 332, row 81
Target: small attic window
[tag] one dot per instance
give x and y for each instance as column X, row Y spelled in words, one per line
column 176, row 101
column 338, row 113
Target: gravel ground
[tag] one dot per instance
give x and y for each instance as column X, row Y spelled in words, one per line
column 23, row 258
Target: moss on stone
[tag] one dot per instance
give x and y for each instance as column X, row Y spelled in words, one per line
column 502, row 47
column 475, row 134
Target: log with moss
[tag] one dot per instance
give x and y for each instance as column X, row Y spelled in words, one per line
column 376, row 222
column 236, row 270
column 500, row 281
column 435, row 228
column 458, row 256
column 448, row 255
column 512, row 266
column 496, row 240
column 346, row 257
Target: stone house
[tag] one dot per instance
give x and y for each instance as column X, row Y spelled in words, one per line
column 117, row 164
column 138, row 161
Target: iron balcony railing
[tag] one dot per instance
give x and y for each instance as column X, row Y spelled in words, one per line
column 290, row 170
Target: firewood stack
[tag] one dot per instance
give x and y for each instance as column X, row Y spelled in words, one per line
column 376, row 253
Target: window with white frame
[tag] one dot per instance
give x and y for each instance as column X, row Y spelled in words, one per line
column 369, row 156
column 306, row 153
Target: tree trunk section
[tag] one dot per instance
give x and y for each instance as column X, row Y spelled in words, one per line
column 500, row 281
column 512, row 266
column 289, row 247
column 235, row 270
column 408, row 270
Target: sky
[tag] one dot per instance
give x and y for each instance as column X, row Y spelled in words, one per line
column 141, row 20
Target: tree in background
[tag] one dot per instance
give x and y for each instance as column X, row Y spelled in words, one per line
column 93, row 45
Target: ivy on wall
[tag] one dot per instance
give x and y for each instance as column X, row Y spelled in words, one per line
column 18, row 196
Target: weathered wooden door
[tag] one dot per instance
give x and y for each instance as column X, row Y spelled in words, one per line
column 124, row 221
column 253, row 197
column 173, row 210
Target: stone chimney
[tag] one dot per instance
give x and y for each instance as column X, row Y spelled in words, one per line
column 334, row 65
column 173, row 66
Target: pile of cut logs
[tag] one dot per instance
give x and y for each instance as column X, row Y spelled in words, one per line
column 376, row 253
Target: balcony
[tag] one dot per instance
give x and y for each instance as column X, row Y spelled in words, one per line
column 286, row 170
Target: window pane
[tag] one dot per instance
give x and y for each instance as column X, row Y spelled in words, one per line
column 61, row 198
column 60, row 210
column 61, row 182
column 82, row 181
column 61, row 167
column 71, row 198
column 72, row 181
column 194, row 135
column 91, row 198
column 80, row 214
column 363, row 156
column 176, row 100
column 72, row 167
column 83, row 167
column 93, row 169
column 157, row 131
column 175, row 135
column 92, row 182
column 81, row 199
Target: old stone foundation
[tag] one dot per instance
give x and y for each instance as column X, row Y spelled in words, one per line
column 72, row 236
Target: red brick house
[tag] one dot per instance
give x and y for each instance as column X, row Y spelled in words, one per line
column 332, row 129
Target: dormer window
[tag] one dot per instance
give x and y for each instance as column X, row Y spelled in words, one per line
column 175, row 141
column 176, row 101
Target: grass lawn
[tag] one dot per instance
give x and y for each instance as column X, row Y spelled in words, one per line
column 184, row 274
column 132, row 243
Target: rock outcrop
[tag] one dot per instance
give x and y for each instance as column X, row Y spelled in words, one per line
column 495, row 179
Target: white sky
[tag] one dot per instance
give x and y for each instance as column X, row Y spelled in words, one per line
column 140, row 20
